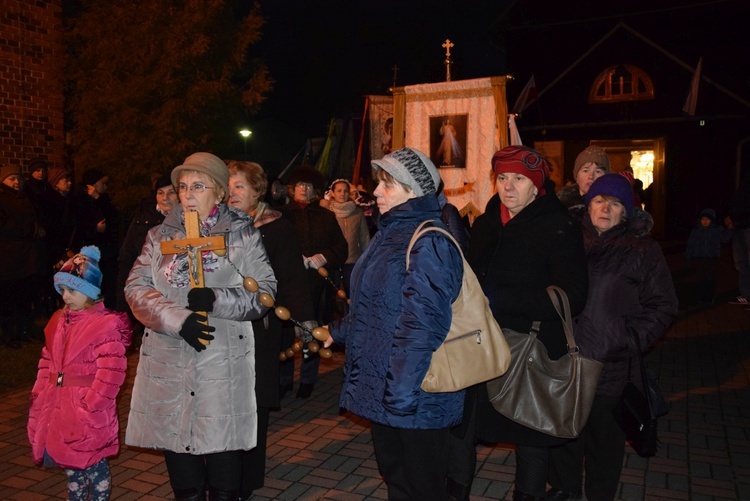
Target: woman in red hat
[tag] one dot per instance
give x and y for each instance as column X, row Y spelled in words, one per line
column 524, row 242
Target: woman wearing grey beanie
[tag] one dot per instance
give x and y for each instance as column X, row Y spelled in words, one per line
column 397, row 318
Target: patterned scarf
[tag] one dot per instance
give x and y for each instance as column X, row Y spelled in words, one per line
column 177, row 271
column 343, row 210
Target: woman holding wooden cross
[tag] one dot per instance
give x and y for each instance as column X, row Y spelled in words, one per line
column 194, row 395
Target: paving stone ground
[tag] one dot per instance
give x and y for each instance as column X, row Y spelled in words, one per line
column 317, row 453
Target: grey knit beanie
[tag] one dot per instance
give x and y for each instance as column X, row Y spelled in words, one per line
column 412, row 168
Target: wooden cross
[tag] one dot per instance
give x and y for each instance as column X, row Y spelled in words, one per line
column 194, row 245
column 448, row 61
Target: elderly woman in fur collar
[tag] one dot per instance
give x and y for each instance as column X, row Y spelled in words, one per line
column 630, row 292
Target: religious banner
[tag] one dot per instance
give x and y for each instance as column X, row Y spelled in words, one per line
column 380, row 115
column 460, row 125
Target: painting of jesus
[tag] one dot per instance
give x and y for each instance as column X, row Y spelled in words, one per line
column 448, row 140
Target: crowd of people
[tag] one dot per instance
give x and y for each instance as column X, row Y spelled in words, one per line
column 43, row 220
column 209, row 372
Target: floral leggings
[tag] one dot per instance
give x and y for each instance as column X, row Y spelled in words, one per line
column 96, row 479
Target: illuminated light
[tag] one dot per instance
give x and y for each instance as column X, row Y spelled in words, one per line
column 642, row 163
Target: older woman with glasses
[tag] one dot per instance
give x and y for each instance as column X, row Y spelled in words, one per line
column 194, row 391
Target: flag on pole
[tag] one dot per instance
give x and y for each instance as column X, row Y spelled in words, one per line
column 692, row 97
column 515, row 137
column 527, row 95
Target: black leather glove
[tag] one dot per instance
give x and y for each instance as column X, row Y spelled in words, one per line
column 201, row 299
column 193, row 330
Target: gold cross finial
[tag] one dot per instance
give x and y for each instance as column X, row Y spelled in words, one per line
column 448, row 61
column 447, row 45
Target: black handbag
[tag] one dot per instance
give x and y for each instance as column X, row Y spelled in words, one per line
column 637, row 411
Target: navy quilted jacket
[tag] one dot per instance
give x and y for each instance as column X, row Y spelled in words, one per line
column 397, row 319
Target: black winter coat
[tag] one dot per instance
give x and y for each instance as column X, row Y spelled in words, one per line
column 19, row 232
column 89, row 211
column 61, row 229
column 146, row 218
column 286, row 260
column 318, row 232
column 541, row 246
column 630, row 290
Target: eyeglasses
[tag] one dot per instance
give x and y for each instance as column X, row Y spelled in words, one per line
column 194, row 188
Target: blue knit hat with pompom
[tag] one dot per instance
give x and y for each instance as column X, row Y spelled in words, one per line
column 82, row 273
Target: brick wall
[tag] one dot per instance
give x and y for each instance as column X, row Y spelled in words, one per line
column 31, row 82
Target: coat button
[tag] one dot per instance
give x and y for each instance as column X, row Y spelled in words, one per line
column 187, row 448
column 242, row 337
column 192, row 393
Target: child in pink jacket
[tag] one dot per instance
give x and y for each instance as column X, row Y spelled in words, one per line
column 73, row 415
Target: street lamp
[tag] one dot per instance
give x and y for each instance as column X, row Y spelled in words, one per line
column 245, row 133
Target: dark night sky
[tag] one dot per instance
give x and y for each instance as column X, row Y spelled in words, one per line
column 326, row 55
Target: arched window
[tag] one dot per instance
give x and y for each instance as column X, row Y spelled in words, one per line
column 621, row 83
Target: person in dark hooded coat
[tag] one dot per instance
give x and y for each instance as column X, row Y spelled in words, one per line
column 630, row 292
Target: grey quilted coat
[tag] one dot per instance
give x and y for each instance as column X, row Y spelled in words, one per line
column 187, row 401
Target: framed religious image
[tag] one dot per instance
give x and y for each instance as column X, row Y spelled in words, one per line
column 448, row 140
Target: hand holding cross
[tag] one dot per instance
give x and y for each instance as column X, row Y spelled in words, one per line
column 195, row 245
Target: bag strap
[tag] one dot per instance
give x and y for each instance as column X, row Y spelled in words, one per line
column 562, row 305
column 421, row 230
column 634, row 340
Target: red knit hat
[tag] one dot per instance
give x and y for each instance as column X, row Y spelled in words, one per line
column 522, row 160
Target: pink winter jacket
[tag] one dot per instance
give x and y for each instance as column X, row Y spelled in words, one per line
column 73, row 415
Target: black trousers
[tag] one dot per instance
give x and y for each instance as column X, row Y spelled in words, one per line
column 707, row 269
column 16, row 298
column 254, row 460
column 412, row 462
column 220, row 471
column 600, row 446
